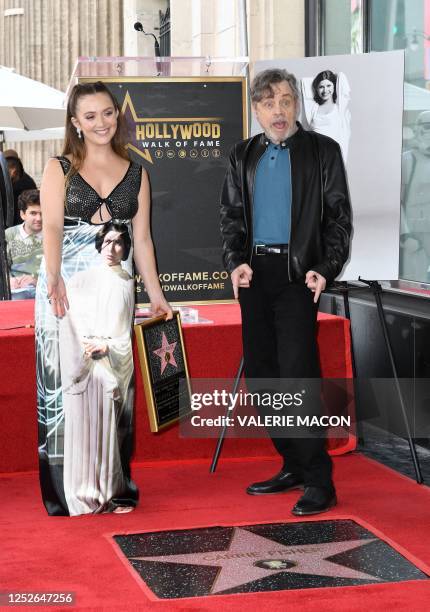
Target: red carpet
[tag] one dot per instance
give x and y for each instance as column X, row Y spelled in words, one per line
column 63, row 554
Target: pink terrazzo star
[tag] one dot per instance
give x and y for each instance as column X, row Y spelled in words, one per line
column 165, row 353
column 251, row 557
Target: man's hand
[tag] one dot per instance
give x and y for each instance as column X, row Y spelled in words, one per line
column 241, row 277
column 316, row 283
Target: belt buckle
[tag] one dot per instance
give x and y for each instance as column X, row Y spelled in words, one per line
column 256, row 247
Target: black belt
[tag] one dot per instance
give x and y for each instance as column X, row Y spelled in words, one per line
column 270, row 249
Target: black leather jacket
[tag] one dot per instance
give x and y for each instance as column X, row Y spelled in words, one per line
column 320, row 210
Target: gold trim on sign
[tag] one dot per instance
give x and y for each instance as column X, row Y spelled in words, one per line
column 245, row 109
column 136, row 79
column 154, row 119
column 146, row 379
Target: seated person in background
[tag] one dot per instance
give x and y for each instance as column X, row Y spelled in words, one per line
column 24, row 247
column 21, row 181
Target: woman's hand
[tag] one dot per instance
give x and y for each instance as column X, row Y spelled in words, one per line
column 52, row 204
column 160, row 306
column 57, row 296
column 95, row 350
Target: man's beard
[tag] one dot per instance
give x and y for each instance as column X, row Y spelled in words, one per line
column 274, row 136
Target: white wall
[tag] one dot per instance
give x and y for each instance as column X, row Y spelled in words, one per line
column 147, row 12
column 212, row 27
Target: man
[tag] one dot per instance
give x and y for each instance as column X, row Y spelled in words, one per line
column 24, row 247
column 21, row 181
column 285, row 225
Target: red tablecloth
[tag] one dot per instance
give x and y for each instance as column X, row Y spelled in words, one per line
column 213, row 350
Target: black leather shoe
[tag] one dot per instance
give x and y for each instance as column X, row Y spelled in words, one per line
column 281, row 483
column 315, row 500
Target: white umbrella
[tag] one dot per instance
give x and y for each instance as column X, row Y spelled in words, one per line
column 28, row 104
column 30, row 135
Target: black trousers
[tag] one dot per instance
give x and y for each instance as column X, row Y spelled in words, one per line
column 279, row 342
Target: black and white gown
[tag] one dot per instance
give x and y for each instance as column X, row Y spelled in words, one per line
column 85, row 405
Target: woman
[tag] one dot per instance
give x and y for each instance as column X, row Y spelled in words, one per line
column 325, row 101
column 84, row 368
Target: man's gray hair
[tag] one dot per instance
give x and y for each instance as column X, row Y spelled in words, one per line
column 261, row 86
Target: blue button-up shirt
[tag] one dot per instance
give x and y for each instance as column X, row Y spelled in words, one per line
column 272, row 197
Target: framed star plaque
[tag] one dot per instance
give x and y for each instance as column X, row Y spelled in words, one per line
column 164, row 370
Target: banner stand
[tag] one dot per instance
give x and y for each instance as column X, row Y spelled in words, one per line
column 376, row 289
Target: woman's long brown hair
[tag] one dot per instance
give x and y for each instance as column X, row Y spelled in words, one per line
column 74, row 147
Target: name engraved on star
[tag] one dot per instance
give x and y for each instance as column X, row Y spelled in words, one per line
column 165, row 353
column 292, row 551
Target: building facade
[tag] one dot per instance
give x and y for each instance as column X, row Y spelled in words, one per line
column 42, row 39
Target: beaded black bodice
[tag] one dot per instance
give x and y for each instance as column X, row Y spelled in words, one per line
column 84, row 202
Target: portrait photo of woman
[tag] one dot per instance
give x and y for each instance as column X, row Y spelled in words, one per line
column 325, row 106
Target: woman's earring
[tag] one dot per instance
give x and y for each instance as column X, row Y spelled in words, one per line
column 78, row 129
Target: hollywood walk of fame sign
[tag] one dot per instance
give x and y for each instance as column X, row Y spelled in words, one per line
column 181, row 130
column 164, row 370
column 271, row 557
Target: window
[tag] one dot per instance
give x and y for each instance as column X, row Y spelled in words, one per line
column 341, row 27
column 351, row 26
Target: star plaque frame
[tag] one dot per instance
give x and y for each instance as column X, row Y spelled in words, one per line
column 164, row 369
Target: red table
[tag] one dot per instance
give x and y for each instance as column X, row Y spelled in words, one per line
column 213, row 350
